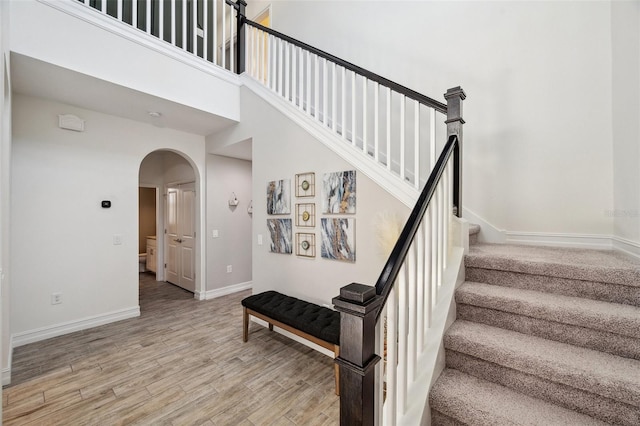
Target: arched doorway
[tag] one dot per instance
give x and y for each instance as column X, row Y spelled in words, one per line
column 172, row 251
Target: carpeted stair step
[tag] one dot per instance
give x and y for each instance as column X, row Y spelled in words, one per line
column 584, row 380
column 602, row 326
column 605, row 275
column 460, row 399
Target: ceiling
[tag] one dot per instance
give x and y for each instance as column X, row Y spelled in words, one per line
column 36, row 78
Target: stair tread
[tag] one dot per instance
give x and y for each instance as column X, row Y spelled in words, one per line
column 594, row 314
column 608, row 266
column 597, row 372
column 479, row 402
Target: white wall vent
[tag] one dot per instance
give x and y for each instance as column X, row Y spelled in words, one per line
column 71, row 122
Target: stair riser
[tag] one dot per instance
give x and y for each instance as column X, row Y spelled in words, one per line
column 587, row 289
column 597, row 406
column 579, row 336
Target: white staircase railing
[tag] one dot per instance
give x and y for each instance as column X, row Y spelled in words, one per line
column 395, row 127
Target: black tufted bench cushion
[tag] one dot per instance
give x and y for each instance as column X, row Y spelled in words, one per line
column 315, row 323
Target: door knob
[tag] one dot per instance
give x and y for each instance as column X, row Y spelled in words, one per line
column 177, row 240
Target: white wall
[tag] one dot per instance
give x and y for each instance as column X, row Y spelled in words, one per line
column 233, row 245
column 538, row 138
column 63, row 239
column 281, row 149
column 5, row 186
column 625, row 19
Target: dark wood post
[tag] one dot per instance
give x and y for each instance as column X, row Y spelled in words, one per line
column 454, row 98
column 358, row 305
column 240, row 41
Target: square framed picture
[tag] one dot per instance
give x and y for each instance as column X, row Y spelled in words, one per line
column 306, row 215
column 279, row 197
column 281, row 238
column 339, row 192
column 306, row 185
column 305, row 244
column 338, row 239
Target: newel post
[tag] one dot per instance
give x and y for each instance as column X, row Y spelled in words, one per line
column 454, row 98
column 240, row 42
column 358, row 305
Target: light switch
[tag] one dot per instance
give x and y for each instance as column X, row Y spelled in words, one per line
column 117, row 239
column 259, row 239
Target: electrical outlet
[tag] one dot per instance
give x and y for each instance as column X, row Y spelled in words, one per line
column 56, row 298
column 117, row 239
column 215, row 233
column 229, row 269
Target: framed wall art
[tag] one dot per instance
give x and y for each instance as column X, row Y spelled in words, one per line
column 306, row 244
column 279, row 197
column 339, row 192
column 306, row 185
column 281, row 235
column 338, row 239
column 306, row 215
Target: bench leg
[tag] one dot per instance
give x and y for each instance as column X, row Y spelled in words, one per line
column 245, row 324
column 336, row 369
column 270, row 327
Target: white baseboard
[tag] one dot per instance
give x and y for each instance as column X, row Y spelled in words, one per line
column 6, row 371
column 601, row 242
column 219, row 292
column 44, row 333
column 626, row 246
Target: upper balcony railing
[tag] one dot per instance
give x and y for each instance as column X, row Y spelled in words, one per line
column 207, row 29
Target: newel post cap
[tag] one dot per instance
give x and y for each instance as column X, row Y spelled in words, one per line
column 455, row 92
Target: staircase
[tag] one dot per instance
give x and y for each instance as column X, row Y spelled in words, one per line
column 543, row 336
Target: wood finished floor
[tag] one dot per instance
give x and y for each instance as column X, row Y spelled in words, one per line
column 182, row 362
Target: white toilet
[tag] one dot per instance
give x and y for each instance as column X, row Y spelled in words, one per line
column 142, row 259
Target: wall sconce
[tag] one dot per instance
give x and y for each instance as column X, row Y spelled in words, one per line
column 250, row 208
column 233, row 200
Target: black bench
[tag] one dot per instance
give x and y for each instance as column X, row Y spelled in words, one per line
column 315, row 323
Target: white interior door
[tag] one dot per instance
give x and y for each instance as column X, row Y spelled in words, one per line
column 180, row 236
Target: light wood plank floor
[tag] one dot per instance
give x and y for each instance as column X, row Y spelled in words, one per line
column 182, row 362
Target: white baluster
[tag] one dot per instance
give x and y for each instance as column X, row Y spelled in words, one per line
column 316, row 92
column 325, row 93
column 432, row 138
column 134, row 13
column 334, row 97
column 308, row 105
column 301, row 80
column 294, row 74
column 119, row 11
column 215, row 30
column 402, row 141
column 416, row 150
column 376, row 122
column 428, row 263
column 205, row 30
column 280, row 70
column 392, row 359
column 388, row 128
column 412, row 306
column 223, row 34
column 184, row 25
column 381, row 367
column 343, row 125
column 287, row 79
column 103, row 6
column 194, row 28
column 148, row 16
column 353, row 109
column 232, row 50
column 364, row 115
column 420, row 287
